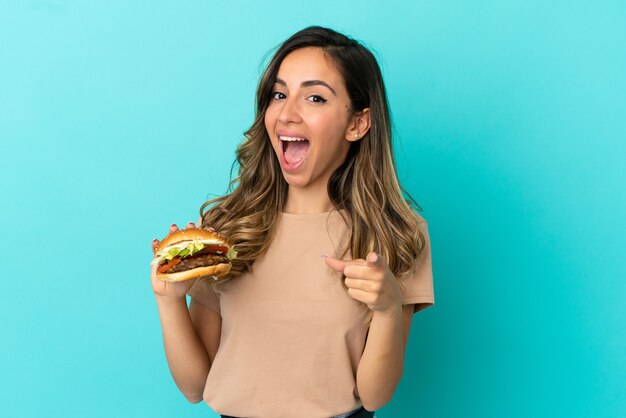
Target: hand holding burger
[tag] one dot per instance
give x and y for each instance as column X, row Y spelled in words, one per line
column 188, row 254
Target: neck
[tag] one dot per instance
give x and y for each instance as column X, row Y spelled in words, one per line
column 306, row 200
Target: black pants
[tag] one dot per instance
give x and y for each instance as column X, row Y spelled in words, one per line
column 361, row 413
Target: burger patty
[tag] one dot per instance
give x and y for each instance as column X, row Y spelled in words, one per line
column 198, row 260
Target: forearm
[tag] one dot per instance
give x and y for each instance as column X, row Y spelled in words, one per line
column 382, row 362
column 186, row 356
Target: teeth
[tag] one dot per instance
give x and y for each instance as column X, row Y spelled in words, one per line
column 291, row 138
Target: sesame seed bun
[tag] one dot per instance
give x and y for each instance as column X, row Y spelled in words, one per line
column 191, row 234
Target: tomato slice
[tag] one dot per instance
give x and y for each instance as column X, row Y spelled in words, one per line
column 215, row 248
column 166, row 266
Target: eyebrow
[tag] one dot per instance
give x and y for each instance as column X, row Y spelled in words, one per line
column 309, row 83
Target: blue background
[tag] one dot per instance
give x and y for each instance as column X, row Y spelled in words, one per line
column 119, row 118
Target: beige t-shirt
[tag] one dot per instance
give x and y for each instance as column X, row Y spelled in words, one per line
column 292, row 337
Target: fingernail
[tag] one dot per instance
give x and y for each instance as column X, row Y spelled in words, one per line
column 155, row 240
column 173, row 224
column 323, row 256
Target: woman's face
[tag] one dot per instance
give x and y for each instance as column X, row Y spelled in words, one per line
column 308, row 119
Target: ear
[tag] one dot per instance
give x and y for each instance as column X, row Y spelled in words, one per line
column 359, row 125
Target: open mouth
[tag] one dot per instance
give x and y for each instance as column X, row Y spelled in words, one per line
column 294, row 149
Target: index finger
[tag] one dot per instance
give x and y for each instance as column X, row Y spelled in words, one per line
column 340, row 265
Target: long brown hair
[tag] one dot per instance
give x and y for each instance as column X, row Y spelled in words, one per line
column 366, row 186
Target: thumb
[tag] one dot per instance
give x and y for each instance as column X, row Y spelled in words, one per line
column 374, row 259
column 333, row 263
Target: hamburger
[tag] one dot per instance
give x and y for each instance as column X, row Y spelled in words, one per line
column 193, row 253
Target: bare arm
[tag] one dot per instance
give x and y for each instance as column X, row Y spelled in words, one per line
column 208, row 325
column 382, row 363
column 186, row 355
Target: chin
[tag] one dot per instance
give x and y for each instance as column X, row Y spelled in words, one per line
column 296, row 180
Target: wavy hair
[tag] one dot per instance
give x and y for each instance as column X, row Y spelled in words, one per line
column 365, row 188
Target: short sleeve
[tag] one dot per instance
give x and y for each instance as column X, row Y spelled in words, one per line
column 418, row 283
column 203, row 292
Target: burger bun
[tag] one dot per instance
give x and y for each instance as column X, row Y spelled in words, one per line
column 190, row 234
column 217, row 270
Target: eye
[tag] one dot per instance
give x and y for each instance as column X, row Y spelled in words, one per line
column 277, row 95
column 317, row 99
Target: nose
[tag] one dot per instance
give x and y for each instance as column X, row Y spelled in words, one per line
column 289, row 112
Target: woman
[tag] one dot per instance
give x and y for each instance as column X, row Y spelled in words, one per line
column 332, row 261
